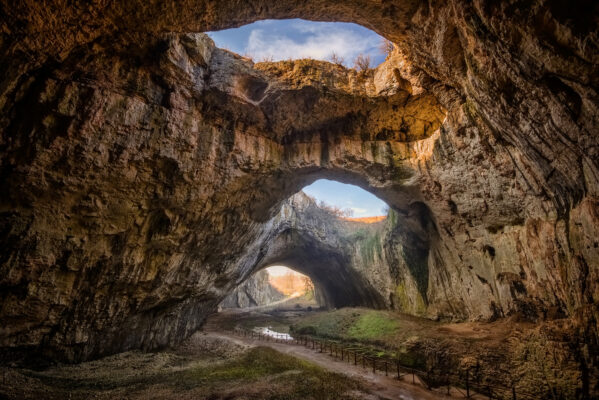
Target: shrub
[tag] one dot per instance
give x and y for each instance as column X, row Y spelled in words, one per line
column 362, row 62
column 386, row 47
column 336, row 59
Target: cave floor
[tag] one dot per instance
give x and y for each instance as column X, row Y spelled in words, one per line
column 535, row 358
column 205, row 366
column 215, row 364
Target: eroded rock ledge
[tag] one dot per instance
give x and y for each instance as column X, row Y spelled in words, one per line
column 142, row 170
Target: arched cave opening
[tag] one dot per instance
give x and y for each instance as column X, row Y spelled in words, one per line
column 358, row 250
column 275, row 286
column 340, row 43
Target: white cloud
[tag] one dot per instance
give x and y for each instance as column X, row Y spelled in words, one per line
column 317, row 42
column 359, row 210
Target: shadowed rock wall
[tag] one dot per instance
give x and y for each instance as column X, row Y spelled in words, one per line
column 143, row 169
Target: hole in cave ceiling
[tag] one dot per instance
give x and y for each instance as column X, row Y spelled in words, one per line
column 277, row 40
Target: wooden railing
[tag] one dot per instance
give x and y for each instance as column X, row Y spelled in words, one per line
column 461, row 381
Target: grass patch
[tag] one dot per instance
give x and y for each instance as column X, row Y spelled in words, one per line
column 372, row 326
column 261, row 368
column 256, row 363
column 260, row 373
column 349, row 324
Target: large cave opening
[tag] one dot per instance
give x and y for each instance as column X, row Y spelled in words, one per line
column 341, row 43
column 275, row 286
column 335, row 234
column 146, row 172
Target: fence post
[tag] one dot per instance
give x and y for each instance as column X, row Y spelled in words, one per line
column 374, row 365
column 398, row 374
column 386, row 369
column 363, row 362
column 513, row 393
column 355, row 358
column 468, row 383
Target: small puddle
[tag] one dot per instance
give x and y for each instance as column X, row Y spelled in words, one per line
column 277, row 335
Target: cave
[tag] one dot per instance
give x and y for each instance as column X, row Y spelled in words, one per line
column 275, row 286
column 146, row 173
column 342, row 255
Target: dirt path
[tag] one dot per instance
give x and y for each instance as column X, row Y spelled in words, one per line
column 378, row 384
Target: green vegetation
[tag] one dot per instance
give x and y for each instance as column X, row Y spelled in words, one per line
column 369, row 244
column 352, row 325
column 403, row 299
column 258, row 373
column 377, row 333
column 370, row 247
column 372, row 325
column 256, row 363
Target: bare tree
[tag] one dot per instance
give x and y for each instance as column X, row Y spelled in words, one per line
column 362, row 62
column 336, row 211
column 386, row 47
column 268, row 58
column 336, row 59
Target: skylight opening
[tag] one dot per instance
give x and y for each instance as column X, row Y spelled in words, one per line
column 352, row 202
column 348, row 44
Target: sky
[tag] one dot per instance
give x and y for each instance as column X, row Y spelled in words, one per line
column 361, row 202
column 280, row 270
column 298, row 38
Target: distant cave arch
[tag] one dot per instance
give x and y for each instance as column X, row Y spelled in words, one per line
column 336, row 283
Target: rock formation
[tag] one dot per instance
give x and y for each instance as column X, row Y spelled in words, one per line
column 142, row 169
column 255, row 291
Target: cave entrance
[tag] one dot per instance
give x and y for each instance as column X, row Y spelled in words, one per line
column 342, row 43
column 333, row 233
column 278, row 287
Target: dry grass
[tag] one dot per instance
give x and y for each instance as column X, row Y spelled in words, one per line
column 202, row 368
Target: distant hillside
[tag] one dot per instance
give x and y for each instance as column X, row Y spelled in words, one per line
column 291, row 283
column 366, row 220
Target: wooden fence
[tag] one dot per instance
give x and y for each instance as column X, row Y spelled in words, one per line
column 460, row 381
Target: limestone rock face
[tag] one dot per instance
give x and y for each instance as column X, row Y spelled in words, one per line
column 255, row 291
column 143, row 170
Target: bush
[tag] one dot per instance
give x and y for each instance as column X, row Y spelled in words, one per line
column 305, row 330
column 362, row 62
column 336, row 59
column 386, row 47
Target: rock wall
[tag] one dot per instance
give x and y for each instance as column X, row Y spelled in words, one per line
column 143, row 170
column 255, row 291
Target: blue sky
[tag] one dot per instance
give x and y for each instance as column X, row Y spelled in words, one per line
column 361, row 202
column 297, row 38
column 279, row 270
